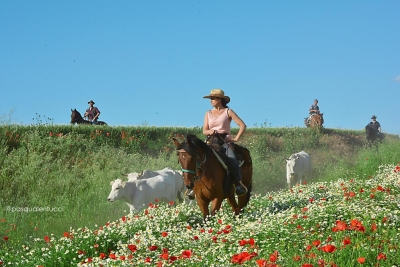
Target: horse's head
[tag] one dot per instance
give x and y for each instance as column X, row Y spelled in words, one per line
column 73, row 116
column 191, row 156
column 76, row 117
column 317, row 120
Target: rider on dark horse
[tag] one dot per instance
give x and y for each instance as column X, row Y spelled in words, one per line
column 217, row 121
column 92, row 112
column 374, row 124
column 314, row 109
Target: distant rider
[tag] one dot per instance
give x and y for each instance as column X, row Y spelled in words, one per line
column 314, row 109
column 92, row 112
column 374, row 124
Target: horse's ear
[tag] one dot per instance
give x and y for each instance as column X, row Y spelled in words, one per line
column 176, row 142
column 72, row 110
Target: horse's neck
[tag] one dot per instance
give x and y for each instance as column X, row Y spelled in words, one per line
column 79, row 118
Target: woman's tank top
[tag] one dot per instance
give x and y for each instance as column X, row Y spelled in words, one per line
column 221, row 123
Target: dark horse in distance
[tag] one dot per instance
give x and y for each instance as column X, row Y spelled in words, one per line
column 76, row 117
column 372, row 136
column 204, row 173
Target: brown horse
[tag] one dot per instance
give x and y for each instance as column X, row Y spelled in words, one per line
column 316, row 121
column 203, row 173
column 76, row 117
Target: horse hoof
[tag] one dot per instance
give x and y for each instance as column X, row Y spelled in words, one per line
column 190, row 195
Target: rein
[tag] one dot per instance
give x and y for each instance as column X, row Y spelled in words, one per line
column 198, row 166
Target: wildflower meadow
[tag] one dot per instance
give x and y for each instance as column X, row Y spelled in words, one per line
column 352, row 219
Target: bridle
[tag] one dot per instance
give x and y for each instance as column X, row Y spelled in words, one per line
column 199, row 164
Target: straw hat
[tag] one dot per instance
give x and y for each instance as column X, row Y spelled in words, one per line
column 219, row 94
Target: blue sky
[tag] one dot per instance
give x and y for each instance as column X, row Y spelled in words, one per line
column 151, row 62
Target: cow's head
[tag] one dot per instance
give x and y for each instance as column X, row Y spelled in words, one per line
column 116, row 187
column 291, row 163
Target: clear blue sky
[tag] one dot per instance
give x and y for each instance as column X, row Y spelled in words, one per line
column 151, row 62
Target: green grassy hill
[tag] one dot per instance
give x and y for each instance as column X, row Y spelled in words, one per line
column 56, row 177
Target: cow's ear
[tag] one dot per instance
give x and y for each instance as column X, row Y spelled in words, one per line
column 123, row 183
column 112, row 182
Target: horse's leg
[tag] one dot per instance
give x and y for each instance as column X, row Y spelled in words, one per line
column 247, row 174
column 233, row 203
column 203, row 205
column 216, row 205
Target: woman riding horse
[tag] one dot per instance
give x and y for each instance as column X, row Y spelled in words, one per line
column 205, row 171
column 218, row 121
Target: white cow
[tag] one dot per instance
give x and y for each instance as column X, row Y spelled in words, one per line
column 298, row 165
column 166, row 172
column 140, row 193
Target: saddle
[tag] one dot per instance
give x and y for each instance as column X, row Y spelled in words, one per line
column 216, row 141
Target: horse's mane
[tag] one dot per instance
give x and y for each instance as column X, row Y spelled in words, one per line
column 77, row 112
column 196, row 143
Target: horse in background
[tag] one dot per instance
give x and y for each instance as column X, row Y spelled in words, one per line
column 76, row 117
column 205, row 174
column 316, row 121
column 372, row 137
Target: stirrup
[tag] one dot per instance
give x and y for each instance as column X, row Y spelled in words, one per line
column 244, row 187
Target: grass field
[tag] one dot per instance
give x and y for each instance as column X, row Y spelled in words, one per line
column 55, row 180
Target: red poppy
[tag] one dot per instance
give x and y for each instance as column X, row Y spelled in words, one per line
column 374, row 227
column 164, row 256
column 243, row 257
column 172, row 259
column 132, row 248
column 346, row 240
column 186, row 253
column 164, row 234
column 122, row 257
column 261, row 263
column 296, row 258
column 153, row 248
column 381, row 256
column 112, row 256
column 307, row 265
column 328, row 248
column 361, row 260
column 5, row 238
column 47, row 239
column 102, row 255
column 316, row 243
column 274, row 256
column 195, row 237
